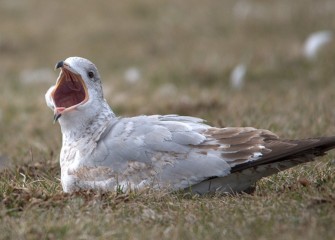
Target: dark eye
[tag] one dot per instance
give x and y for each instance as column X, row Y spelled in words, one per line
column 90, row 74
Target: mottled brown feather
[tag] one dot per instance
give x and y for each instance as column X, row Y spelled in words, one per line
column 282, row 150
column 239, row 145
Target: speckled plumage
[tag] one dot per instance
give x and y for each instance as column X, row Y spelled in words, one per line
column 105, row 152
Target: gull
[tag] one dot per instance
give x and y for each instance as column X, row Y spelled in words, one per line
column 103, row 152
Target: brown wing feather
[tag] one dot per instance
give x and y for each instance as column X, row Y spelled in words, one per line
column 256, row 153
column 248, row 147
column 239, row 145
column 282, row 150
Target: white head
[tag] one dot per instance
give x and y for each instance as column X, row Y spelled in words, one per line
column 77, row 95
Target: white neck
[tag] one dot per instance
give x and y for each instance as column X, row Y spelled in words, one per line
column 77, row 127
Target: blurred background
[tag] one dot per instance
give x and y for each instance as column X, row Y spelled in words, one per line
column 261, row 63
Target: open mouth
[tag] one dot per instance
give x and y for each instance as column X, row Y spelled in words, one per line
column 70, row 90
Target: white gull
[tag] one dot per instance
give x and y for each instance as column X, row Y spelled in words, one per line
column 104, row 152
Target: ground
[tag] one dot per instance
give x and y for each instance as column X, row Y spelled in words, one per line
column 182, row 53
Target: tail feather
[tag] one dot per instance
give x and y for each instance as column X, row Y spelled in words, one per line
column 299, row 151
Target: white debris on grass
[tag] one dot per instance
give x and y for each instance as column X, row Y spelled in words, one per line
column 237, row 76
column 242, row 9
column 33, row 76
column 132, row 75
column 167, row 90
column 315, row 42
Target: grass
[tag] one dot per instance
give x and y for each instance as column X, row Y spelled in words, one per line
column 191, row 48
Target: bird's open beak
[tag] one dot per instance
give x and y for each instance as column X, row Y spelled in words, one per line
column 70, row 90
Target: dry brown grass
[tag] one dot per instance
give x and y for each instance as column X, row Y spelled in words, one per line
column 189, row 47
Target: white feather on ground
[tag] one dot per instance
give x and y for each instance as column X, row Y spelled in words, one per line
column 315, row 43
column 132, row 75
column 237, row 76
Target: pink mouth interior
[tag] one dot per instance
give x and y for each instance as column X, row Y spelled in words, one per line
column 70, row 91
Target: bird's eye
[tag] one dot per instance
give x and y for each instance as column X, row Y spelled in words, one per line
column 90, row 74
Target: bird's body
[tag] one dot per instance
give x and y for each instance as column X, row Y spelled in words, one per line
column 105, row 152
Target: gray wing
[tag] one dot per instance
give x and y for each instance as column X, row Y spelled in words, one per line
column 175, row 151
